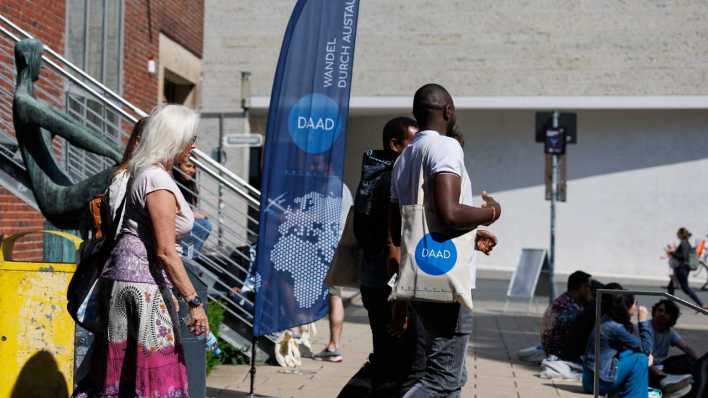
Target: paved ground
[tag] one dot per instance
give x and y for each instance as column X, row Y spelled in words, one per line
column 493, row 369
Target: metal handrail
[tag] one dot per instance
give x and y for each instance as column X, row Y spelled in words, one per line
column 74, row 79
column 598, row 303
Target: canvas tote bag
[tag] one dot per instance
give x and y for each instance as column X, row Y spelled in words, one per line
column 345, row 266
column 436, row 265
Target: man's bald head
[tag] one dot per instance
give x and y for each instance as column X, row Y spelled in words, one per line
column 433, row 103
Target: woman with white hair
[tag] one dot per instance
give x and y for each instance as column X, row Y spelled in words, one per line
column 140, row 353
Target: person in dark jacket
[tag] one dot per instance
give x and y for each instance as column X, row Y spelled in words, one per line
column 624, row 357
column 682, row 255
column 390, row 362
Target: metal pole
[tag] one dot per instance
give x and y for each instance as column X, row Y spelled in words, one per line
column 253, row 366
column 554, row 194
column 596, row 373
column 220, row 204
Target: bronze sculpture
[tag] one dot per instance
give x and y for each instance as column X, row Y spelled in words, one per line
column 62, row 202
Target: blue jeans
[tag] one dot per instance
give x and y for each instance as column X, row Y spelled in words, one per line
column 447, row 328
column 632, row 380
column 192, row 245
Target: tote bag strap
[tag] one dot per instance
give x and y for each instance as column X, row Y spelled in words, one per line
column 421, row 175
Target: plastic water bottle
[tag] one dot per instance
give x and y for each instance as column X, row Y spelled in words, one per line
column 212, row 345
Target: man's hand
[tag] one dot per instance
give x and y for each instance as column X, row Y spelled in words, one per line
column 490, row 202
column 485, row 241
column 399, row 318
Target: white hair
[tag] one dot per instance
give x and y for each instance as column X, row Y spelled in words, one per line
column 168, row 132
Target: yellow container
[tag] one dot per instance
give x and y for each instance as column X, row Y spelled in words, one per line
column 36, row 331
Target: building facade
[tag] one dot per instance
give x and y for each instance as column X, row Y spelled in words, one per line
column 634, row 72
column 149, row 52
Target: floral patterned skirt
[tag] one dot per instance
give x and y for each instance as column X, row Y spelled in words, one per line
column 138, row 356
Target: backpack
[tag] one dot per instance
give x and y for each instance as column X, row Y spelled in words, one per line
column 371, row 203
column 82, row 292
column 693, row 261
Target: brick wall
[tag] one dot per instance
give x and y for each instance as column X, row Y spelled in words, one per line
column 181, row 20
column 479, row 48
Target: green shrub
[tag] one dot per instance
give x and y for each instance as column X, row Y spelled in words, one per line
column 229, row 354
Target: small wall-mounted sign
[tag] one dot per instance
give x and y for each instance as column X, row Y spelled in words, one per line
column 242, row 140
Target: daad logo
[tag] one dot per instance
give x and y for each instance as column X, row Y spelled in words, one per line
column 314, row 123
column 435, row 256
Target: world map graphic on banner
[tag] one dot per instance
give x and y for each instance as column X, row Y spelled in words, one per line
column 307, row 242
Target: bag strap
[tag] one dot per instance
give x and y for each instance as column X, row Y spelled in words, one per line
column 421, row 175
column 121, row 210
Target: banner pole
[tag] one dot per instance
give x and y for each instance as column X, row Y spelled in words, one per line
column 253, row 366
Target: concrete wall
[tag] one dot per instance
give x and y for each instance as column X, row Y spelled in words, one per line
column 634, row 178
column 479, row 48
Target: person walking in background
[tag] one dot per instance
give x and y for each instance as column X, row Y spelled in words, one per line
column 624, row 357
column 185, row 176
column 681, row 255
column 140, row 354
column 331, row 352
column 448, row 193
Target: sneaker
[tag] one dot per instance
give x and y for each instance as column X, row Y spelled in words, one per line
column 328, row 355
column 672, row 383
column 654, row 393
column 679, row 393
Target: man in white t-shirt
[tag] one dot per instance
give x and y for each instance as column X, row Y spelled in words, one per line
column 448, row 193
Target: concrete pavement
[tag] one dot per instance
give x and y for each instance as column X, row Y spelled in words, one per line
column 494, row 371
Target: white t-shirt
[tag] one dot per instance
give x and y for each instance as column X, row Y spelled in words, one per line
column 663, row 341
column 444, row 155
column 137, row 220
column 347, row 203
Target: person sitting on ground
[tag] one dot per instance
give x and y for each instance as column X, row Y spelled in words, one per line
column 561, row 316
column 672, row 374
column 185, row 177
column 624, row 357
column 580, row 331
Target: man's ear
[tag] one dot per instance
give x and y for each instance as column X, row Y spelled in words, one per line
column 447, row 112
column 394, row 145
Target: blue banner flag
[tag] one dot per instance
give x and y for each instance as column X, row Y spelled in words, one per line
column 304, row 162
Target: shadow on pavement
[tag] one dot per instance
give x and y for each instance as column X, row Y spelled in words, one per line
column 219, row 393
column 577, row 389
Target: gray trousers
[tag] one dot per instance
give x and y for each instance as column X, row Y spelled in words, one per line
column 447, row 331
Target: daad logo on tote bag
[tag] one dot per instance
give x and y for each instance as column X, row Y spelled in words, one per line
column 435, row 256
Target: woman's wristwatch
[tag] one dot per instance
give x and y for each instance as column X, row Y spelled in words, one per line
column 194, row 302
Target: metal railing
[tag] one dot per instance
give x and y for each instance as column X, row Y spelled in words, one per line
column 220, row 191
column 598, row 304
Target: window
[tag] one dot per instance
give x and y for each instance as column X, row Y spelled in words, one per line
column 94, row 38
column 94, row 44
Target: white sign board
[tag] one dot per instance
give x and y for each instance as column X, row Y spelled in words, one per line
column 523, row 282
column 242, row 140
